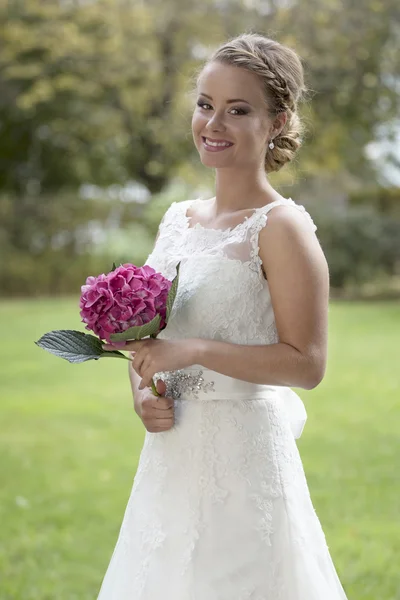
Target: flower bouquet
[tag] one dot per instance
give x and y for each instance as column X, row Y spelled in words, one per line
column 129, row 303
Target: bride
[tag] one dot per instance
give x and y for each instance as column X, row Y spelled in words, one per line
column 220, row 507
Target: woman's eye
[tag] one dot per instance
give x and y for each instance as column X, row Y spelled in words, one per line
column 241, row 111
column 201, row 104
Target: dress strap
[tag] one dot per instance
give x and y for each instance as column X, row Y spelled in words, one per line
column 259, row 220
column 173, row 218
column 264, row 210
column 168, row 214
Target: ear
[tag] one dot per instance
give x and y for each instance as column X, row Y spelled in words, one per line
column 280, row 122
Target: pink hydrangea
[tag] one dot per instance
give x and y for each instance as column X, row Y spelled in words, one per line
column 125, row 297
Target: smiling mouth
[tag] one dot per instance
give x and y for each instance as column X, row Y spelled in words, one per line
column 216, row 143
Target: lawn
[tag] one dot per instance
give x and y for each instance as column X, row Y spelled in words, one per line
column 70, row 443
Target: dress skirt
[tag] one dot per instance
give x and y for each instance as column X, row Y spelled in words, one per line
column 220, row 507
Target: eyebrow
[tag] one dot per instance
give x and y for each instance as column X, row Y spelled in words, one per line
column 228, row 101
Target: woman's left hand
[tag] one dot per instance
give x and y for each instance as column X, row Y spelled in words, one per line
column 153, row 355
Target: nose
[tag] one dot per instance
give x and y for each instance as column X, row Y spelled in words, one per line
column 216, row 124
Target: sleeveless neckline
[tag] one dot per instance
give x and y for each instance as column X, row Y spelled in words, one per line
column 228, row 230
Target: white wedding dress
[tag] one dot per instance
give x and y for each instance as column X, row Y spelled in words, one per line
column 220, row 508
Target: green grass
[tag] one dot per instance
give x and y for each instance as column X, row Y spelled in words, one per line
column 70, row 442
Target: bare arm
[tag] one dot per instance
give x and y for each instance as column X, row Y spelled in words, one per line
column 298, row 277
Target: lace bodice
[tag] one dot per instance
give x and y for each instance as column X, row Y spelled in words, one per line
column 222, row 292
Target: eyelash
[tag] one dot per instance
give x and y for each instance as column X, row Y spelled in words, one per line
column 243, row 112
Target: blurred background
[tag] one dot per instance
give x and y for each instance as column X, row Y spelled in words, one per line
column 95, row 144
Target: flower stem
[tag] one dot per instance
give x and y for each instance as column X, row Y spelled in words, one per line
column 153, row 388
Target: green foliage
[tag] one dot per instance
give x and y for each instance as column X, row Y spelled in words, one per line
column 350, row 51
column 176, row 191
column 75, row 346
column 70, row 443
column 100, row 91
column 130, row 242
column 88, row 92
column 386, row 200
column 48, row 273
column 138, row 332
column 359, row 244
column 172, row 292
column 48, row 246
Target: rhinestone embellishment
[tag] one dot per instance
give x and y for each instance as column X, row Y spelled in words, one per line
column 177, row 382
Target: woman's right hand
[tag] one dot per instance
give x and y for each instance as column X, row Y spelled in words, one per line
column 156, row 412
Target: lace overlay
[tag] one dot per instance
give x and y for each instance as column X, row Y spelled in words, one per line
column 220, row 508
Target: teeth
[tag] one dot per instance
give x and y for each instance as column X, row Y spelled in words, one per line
column 210, row 143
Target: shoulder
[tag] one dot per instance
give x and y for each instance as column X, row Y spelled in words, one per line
column 174, row 217
column 176, row 207
column 289, row 238
column 290, row 216
column 185, row 203
column 287, row 223
column 180, row 206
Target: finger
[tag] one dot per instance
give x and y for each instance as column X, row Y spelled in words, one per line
column 161, row 387
column 157, row 429
column 132, row 345
column 144, row 383
column 146, row 371
column 163, row 409
column 135, row 345
column 161, row 419
column 147, row 374
column 161, row 403
column 137, row 362
column 163, row 400
column 114, row 346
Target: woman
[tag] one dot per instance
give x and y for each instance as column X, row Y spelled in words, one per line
column 220, row 508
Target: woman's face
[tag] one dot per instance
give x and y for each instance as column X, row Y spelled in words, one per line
column 244, row 123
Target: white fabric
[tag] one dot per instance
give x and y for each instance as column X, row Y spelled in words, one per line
column 229, row 388
column 220, row 508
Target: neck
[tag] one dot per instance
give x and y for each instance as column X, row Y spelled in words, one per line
column 239, row 189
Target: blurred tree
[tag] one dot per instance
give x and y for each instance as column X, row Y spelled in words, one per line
column 88, row 92
column 385, row 200
column 92, row 92
column 350, row 51
column 97, row 91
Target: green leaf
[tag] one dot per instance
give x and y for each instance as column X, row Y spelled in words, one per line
column 138, row 331
column 172, row 292
column 75, row 346
column 113, row 267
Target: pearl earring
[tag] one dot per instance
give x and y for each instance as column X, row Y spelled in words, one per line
column 271, row 145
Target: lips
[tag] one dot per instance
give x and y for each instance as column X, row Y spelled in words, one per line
column 216, row 141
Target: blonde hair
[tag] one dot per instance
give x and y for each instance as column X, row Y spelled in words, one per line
column 280, row 71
